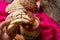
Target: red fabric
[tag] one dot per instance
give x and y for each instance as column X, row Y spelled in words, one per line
column 3, row 14
column 48, row 27
column 2, row 0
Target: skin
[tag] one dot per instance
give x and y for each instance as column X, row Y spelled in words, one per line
column 3, row 33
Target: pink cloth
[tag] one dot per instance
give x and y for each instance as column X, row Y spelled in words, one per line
column 2, row 0
column 48, row 27
column 3, row 14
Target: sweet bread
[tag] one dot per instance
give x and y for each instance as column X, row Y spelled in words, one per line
column 21, row 12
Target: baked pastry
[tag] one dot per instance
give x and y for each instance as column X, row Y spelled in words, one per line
column 21, row 15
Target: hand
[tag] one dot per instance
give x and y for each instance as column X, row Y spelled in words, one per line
column 3, row 33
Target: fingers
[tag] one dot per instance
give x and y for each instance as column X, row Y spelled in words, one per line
column 3, row 24
column 3, row 28
column 5, row 37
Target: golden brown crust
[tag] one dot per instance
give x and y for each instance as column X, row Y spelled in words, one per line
column 21, row 13
column 30, row 5
column 19, row 37
column 31, row 27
